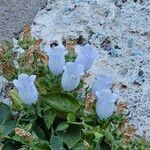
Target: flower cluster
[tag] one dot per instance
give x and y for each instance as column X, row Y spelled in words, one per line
column 72, row 70
column 71, row 76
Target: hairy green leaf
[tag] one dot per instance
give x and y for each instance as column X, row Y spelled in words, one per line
column 4, row 113
column 61, row 102
column 71, row 136
column 56, row 143
column 62, row 126
column 49, row 116
column 16, row 100
column 79, row 146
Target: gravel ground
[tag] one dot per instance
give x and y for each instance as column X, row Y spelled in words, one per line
column 15, row 14
column 121, row 32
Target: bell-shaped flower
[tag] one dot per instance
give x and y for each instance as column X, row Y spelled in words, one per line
column 26, row 88
column 86, row 56
column 71, row 76
column 105, row 104
column 56, row 61
column 102, row 82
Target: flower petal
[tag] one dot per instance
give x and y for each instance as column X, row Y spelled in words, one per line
column 69, row 82
column 87, row 56
column 102, row 82
column 104, row 94
column 32, row 78
column 71, row 76
column 74, row 68
column 17, row 84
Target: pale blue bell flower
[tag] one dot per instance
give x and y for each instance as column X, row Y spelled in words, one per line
column 56, row 61
column 102, row 82
column 26, row 88
column 105, row 104
column 86, row 56
column 71, row 76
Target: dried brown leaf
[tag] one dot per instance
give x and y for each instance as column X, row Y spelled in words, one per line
column 8, row 68
column 127, row 130
column 1, row 51
column 86, row 75
column 121, row 107
column 29, row 55
column 24, row 134
column 89, row 103
column 1, row 56
column 70, row 45
column 43, row 58
column 129, row 133
column 26, row 32
column 86, row 144
column 37, row 44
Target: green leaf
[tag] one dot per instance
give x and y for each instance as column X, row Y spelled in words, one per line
column 102, row 146
column 41, row 145
column 4, row 112
column 108, row 135
column 17, row 138
column 39, row 132
column 98, row 136
column 41, row 87
column 9, row 146
column 62, row 102
column 56, row 143
column 16, row 100
column 71, row 136
column 71, row 117
column 79, row 146
column 28, row 127
column 8, row 127
column 62, row 126
column 49, row 116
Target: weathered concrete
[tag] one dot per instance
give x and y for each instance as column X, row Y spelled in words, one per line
column 15, row 14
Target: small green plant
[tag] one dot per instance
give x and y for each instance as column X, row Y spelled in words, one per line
column 7, row 67
column 58, row 120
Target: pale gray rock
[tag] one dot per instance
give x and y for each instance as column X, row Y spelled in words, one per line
column 4, row 84
column 15, row 14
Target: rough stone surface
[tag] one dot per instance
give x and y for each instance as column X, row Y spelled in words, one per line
column 4, row 86
column 15, row 14
column 121, row 32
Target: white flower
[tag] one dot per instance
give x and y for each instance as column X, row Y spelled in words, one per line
column 26, row 88
column 102, row 82
column 71, row 76
column 86, row 56
column 56, row 61
column 105, row 104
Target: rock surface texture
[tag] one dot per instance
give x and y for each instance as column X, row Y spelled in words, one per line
column 15, row 14
column 121, row 32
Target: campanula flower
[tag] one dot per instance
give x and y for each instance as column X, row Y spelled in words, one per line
column 102, row 82
column 105, row 104
column 26, row 88
column 71, row 76
column 86, row 56
column 56, row 61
